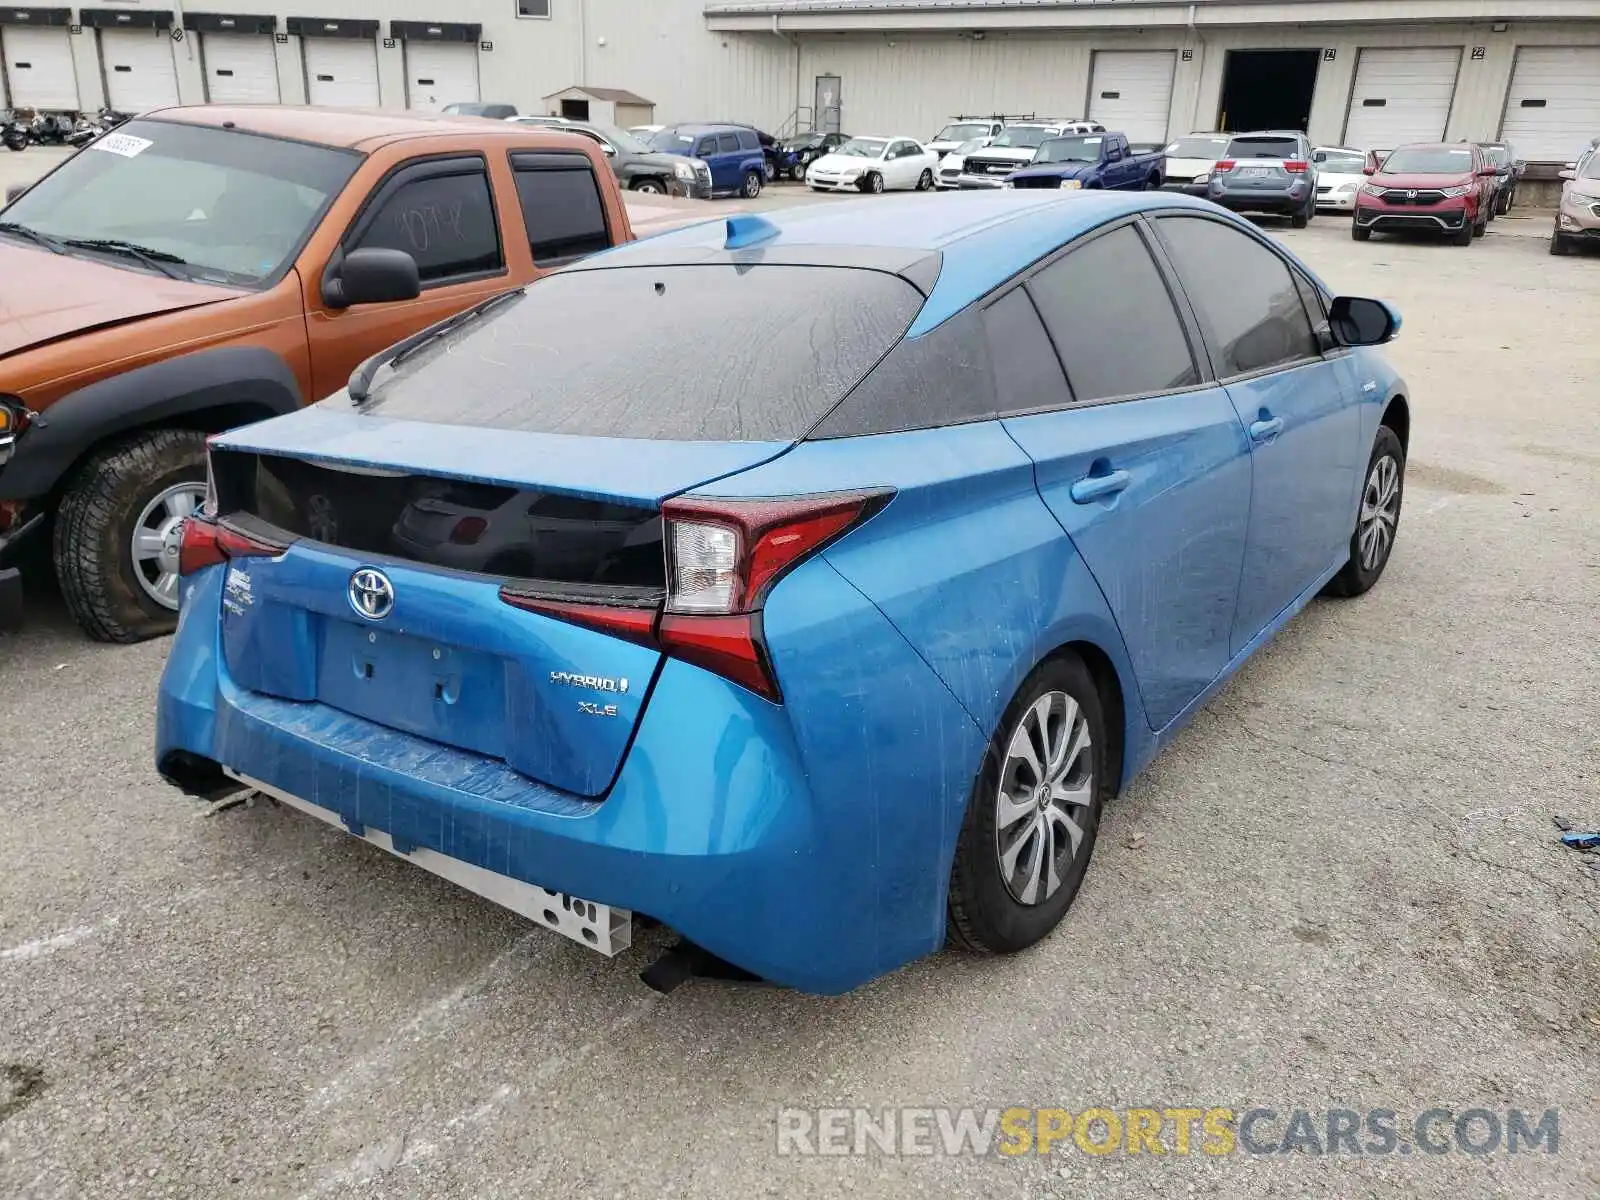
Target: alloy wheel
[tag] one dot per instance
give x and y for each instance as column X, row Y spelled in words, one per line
column 1046, row 784
column 1380, row 512
column 157, row 535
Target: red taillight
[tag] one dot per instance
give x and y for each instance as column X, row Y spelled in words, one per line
column 205, row 544
column 468, row 530
column 1295, row 167
column 723, row 557
column 1224, row 165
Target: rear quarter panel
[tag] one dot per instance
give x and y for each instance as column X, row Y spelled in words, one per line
column 966, row 561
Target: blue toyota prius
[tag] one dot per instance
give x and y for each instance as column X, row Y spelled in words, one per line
column 805, row 582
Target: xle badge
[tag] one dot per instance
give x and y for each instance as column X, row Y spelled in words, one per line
column 590, row 709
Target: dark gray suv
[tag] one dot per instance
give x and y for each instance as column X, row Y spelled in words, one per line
column 640, row 169
column 1267, row 172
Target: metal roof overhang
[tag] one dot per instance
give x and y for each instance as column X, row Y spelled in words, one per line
column 866, row 16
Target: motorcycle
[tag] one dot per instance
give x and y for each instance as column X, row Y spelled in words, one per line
column 50, row 129
column 13, row 132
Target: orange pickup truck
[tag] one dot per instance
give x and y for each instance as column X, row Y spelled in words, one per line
column 201, row 268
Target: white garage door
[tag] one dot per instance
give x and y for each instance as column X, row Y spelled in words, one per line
column 39, row 68
column 241, row 68
column 1401, row 96
column 1130, row 91
column 440, row 73
column 1553, row 109
column 342, row 71
column 140, row 74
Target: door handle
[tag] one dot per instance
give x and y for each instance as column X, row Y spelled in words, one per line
column 1095, row 487
column 1266, row 430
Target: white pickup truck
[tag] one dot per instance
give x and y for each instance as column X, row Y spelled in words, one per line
column 1014, row 149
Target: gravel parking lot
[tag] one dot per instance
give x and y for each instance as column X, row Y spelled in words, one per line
column 1340, row 888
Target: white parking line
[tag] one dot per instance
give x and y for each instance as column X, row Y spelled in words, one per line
column 39, row 947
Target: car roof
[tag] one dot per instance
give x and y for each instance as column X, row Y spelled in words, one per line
column 698, row 129
column 981, row 238
column 340, row 128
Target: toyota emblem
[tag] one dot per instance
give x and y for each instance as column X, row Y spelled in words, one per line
column 371, row 594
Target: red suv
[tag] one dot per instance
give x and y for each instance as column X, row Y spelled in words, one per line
column 1442, row 188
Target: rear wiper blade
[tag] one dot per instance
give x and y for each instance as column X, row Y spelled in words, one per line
column 33, row 235
column 360, row 386
column 156, row 260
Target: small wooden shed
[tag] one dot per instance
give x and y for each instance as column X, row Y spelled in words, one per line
column 603, row 106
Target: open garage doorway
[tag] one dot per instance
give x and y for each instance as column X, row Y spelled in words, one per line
column 1268, row 89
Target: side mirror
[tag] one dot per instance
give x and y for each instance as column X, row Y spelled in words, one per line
column 1357, row 321
column 608, row 149
column 1564, row 175
column 15, row 189
column 1488, row 172
column 1369, row 169
column 371, row 276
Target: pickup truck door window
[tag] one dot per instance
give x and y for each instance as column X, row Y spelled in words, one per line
column 442, row 213
column 1152, row 489
column 561, row 207
column 1302, row 416
column 445, row 222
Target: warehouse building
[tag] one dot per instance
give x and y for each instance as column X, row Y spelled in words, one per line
column 1368, row 73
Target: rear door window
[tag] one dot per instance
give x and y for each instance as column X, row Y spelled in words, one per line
column 1243, row 294
column 727, row 143
column 445, row 219
column 1027, row 373
column 561, row 207
column 1110, row 315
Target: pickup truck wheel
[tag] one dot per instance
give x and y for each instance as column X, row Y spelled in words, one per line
column 117, row 531
column 752, row 184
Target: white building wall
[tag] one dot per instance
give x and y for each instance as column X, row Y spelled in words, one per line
column 892, row 81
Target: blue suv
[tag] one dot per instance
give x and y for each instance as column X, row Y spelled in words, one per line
column 817, row 665
column 733, row 152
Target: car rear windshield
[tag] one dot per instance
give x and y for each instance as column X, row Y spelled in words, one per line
column 1263, row 147
column 961, row 132
column 1339, row 162
column 705, row 352
column 213, row 204
column 1430, row 160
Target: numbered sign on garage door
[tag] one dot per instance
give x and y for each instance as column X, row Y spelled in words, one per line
column 440, row 73
column 38, row 66
column 241, row 68
column 1401, row 96
column 1130, row 91
column 342, row 72
column 1553, row 108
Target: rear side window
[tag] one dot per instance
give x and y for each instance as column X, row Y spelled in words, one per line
column 446, row 222
column 749, row 141
column 704, row 352
column 727, row 143
column 1243, row 294
column 562, row 211
column 1110, row 316
column 1027, row 374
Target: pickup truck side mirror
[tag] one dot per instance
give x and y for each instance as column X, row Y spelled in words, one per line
column 15, row 189
column 374, row 275
column 1358, row 321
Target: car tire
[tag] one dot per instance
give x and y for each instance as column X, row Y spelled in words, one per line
column 1299, row 220
column 1360, row 233
column 925, row 181
column 106, row 504
column 653, row 187
column 1482, row 227
column 798, row 171
column 1377, row 517
column 986, row 914
column 1559, row 245
column 1463, row 236
column 873, row 183
column 752, row 185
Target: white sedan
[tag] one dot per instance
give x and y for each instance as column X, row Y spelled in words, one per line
column 1340, row 174
column 869, row 164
